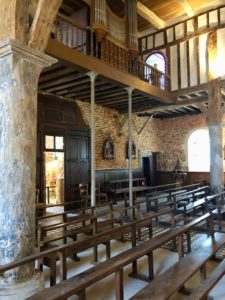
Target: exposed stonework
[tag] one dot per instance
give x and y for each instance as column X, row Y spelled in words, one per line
column 167, row 137
column 19, row 72
column 108, row 125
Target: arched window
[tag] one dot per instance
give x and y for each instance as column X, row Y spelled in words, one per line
column 158, row 62
column 199, row 151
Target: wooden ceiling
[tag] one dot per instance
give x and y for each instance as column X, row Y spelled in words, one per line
column 70, row 84
column 166, row 10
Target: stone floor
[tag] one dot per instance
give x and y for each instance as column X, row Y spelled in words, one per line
column 104, row 290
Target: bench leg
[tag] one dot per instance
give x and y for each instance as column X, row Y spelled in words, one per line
column 188, row 241
column 53, row 269
column 119, row 284
column 134, row 269
column 62, row 267
column 108, row 250
column 203, row 272
column 82, row 295
column 180, row 246
column 95, row 253
column 150, row 266
column 75, row 256
column 150, row 231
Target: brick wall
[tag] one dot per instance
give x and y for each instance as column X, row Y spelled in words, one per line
column 167, row 137
column 108, row 125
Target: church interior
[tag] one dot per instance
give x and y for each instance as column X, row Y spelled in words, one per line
column 112, row 149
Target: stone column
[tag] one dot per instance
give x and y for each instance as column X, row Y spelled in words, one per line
column 19, row 73
column 214, row 123
column 216, row 158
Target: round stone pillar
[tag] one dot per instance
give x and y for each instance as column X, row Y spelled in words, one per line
column 216, row 158
column 19, row 73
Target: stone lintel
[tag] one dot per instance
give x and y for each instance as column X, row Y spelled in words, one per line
column 9, row 47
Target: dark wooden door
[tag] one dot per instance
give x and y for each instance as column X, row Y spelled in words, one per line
column 77, row 164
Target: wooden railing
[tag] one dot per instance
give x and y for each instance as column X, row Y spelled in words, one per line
column 83, row 39
column 72, row 34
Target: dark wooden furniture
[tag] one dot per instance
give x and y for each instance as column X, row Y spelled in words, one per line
column 165, row 285
column 77, row 284
column 202, row 291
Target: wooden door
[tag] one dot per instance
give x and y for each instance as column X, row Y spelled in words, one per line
column 77, row 164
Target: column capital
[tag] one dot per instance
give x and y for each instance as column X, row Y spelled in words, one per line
column 129, row 89
column 9, row 47
column 92, row 75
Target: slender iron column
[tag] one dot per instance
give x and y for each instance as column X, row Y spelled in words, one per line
column 92, row 76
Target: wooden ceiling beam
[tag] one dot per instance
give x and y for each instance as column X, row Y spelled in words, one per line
column 86, row 90
column 67, row 8
column 42, row 23
column 54, row 75
column 14, row 20
column 149, row 15
column 66, row 85
column 186, row 7
column 111, row 102
column 72, row 92
column 60, row 80
column 178, row 104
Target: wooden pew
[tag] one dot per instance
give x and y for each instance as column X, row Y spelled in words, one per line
column 175, row 277
column 80, row 224
column 78, row 284
column 179, row 199
column 202, row 291
column 66, row 250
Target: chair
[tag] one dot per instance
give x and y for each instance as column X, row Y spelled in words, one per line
column 100, row 197
column 83, row 188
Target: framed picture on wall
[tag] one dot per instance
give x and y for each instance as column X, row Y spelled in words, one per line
column 108, row 149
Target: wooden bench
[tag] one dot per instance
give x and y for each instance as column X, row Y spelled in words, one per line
column 180, row 200
column 63, row 251
column 164, row 286
column 202, row 291
column 78, row 284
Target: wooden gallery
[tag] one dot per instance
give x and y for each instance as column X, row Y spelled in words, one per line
column 112, row 149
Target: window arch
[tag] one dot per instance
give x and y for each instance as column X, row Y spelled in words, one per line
column 199, row 151
column 157, row 60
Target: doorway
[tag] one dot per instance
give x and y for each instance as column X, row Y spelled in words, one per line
column 54, row 162
column 149, row 169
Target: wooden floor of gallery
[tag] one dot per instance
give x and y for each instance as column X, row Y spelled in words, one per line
column 163, row 259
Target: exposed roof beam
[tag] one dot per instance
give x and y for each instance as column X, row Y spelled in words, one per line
column 186, row 7
column 177, row 105
column 149, row 15
column 42, row 23
column 88, row 2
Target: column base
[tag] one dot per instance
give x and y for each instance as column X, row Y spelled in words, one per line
column 23, row 289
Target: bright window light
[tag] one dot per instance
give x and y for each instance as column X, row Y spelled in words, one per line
column 157, row 60
column 199, row 151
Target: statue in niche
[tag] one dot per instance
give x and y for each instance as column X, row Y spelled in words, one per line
column 108, row 149
column 133, row 150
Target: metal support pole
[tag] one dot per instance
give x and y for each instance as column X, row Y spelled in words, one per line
column 92, row 76
column 130, row 90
